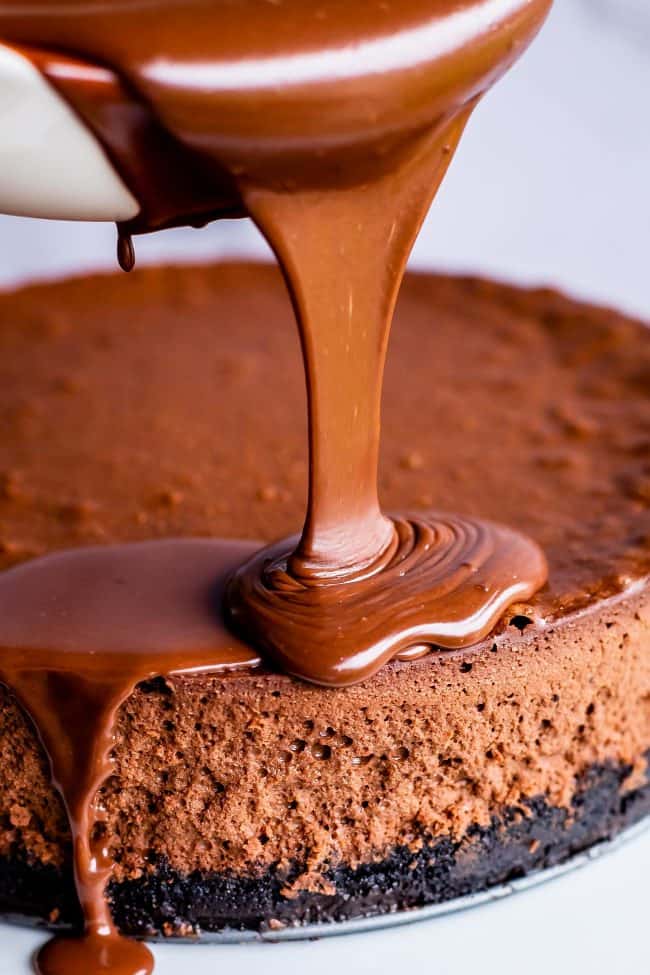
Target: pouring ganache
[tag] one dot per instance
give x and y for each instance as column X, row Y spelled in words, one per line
column 334, row 139
column 332, row 126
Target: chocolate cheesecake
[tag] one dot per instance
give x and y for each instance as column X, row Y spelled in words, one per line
column 331, row 126
column 171, row 405
column 437, row 677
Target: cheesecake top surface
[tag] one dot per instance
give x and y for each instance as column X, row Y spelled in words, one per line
column 172, row 404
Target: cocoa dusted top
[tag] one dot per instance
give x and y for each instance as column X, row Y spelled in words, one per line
column 331, row 124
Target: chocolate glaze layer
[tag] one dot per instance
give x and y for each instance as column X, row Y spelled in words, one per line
column 336, row 138
column 452, row 599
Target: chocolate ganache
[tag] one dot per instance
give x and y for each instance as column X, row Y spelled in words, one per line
column 331, row 124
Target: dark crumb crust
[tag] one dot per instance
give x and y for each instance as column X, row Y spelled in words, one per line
column 524, row 839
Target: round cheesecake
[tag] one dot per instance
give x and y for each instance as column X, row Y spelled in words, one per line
column 171, row 404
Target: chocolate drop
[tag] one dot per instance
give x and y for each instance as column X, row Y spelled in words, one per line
column 125, row 251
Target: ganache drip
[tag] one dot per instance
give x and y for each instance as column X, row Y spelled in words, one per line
column 454, row 577
column 125, row 251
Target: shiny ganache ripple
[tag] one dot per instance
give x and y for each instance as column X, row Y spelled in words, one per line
column 443, row 581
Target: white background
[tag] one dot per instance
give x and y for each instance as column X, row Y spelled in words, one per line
column 550, row 185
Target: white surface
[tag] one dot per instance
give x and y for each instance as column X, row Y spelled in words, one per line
column 50, row 165
column 593, row 921
column 550, row 185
